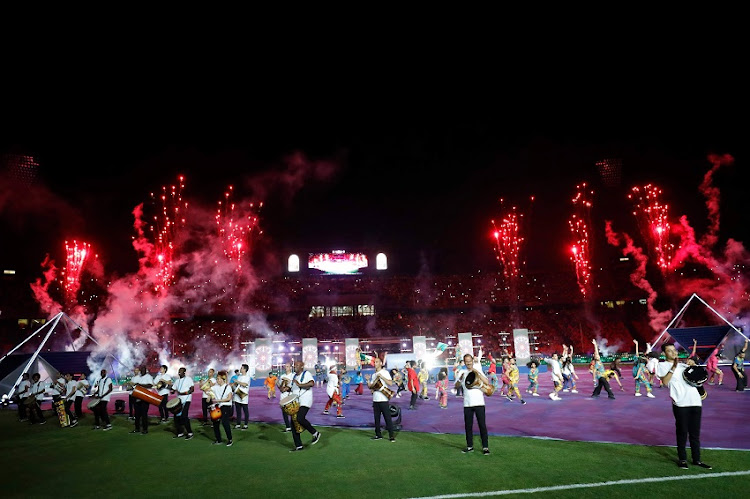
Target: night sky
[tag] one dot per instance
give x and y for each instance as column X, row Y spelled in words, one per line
column 422, row 188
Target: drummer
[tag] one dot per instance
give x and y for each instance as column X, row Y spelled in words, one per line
column 242, row 383
column 70, row 393
column 380, row 401
column 24, row 389
column 302, row 384
column 102, row 391
column 204, row 401
column 166, row 380
column 221, row 394
column 285, row 387
column 82, row 389
column 36, row 391
column 184, row 388
column 474, row 406
column 141, row 406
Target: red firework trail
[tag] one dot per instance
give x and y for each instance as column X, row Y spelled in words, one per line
column 236, row 224
column 508, row 240
column 76, row 257
column 653, row 218
column 579, row 228
column 165, row 229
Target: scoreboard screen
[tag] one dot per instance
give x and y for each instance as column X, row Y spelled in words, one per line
column 337, row 262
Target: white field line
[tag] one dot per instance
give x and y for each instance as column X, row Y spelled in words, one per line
column 588, row 485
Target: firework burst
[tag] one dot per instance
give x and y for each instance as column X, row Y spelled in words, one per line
column 77, row 254
column 653, row 218
column 165, row 228
column 508, row 240
column 579, row 228
column 236, row 224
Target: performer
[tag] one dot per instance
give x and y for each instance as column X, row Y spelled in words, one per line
column 37, row 391
column 103, row 391
column 23, row 391
column 424, row 377
column 441, row 389
column 504, row 389
column 184, row 388
column 333, row 390
column 163, row 381
column 712, row 366
column 82, row 388
column 513, row 376
column 738, row 369
column 398, row 378
column 652, row 363
column 242, row 385
column 603, row 376
column 492, row 371
column 302, row 384
column 70, row 393
column 358, row 380
column 640, row 374
column 474, row 406
column 569, row 370
column 457, row 368
column 131, row 399
column 270, row 384
column 345, row 380
column 221, row 394
column 533, row 378
column 380, row 401
column 285, row 386
column 556, row 373
column 412, row 383
column 686, row 406
column 207, row 383
column 141, row 406
column 57, row 388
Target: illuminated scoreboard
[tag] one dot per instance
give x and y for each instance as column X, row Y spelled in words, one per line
column 338, row 262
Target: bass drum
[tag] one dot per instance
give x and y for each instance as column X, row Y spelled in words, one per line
column 175, row 406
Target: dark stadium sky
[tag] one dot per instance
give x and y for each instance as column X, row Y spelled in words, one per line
column 422, row 188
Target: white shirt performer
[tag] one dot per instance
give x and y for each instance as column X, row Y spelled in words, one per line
column 241, row 397
column 302, row 384
column 103, row 391
column 162, row 381
column 556, row 373
column 380, row 401
column 144, row 380
column 474, row 405
column 334, row 392
column 686, row 406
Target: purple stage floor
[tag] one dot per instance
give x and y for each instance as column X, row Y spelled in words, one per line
column 577, row 417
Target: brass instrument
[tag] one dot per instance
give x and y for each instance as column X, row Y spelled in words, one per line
column 240, row 392
column 206, row 386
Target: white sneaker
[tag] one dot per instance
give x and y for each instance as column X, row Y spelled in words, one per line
column 573, row 391
column 650, row 395
column 638, row 394
column 535, row 394
column 552, row 395
column 566, row 390
column 557, row 397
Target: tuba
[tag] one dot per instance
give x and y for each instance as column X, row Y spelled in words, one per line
column 474, row 381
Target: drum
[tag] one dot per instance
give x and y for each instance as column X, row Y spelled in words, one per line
column 62, row 416
column 474, row 381
column 290, row 404
column 92, row 403
column 146, row 395
column 175, row 406
column 215, row 413
column 696, row 376
column 380, row 386
column 29, row 401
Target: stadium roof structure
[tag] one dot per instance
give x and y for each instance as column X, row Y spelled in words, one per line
column 707, row 338
column 47, row 329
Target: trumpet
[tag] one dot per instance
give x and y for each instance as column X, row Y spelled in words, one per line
column 206, row 386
